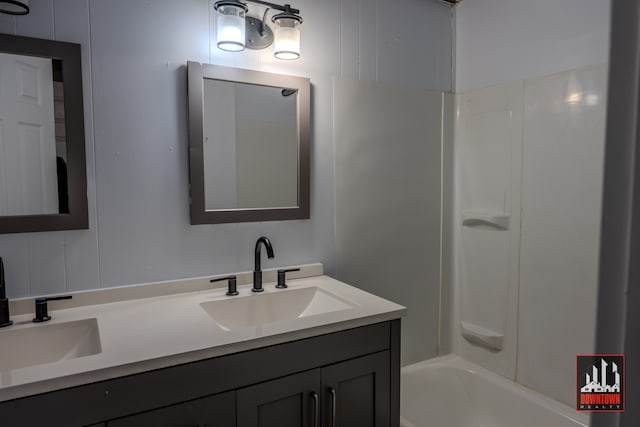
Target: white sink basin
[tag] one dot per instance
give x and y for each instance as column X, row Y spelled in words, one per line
column 39, row 344
column 253, row 310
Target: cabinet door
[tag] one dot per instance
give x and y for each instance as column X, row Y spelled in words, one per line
column 218, row 410
column 356, row 392
column 291, row 401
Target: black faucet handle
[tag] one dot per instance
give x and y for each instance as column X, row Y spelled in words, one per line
column 4, row 302
column 42, row 309
column 281, row 277
column 3, row 289
column 4, row 313
column 233, row 284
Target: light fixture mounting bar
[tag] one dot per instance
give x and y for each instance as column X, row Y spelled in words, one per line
column 285, row 8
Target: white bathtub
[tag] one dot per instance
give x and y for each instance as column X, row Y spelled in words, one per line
column 451, row 392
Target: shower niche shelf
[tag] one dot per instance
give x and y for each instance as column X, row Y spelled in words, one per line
column 482, row 336
column 485, row 220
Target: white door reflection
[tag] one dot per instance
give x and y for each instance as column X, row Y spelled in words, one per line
column 29, row 159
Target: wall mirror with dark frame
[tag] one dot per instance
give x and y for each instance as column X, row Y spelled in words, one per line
column 43, row 184
column 248, row 145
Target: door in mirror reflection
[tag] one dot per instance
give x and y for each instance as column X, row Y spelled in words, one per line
column 32, row 145
column 250, row 146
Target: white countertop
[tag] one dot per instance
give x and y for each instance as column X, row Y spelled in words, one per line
column 155, row 332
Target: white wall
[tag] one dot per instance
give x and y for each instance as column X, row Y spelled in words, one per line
column 555, row 138
column 388, row 201
column 564, row 127
column 250, row 146
column 555, row 54
column 499, row 41
column 267, row 147
column 219, row 145
column 488, row 158
column 134, row 54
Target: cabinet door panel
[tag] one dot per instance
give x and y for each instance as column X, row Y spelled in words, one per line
column 356, row 392
column 284, row 402
column 217, row 410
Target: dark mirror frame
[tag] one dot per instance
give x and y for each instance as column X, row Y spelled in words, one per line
column 199, row 215
column 69, row 54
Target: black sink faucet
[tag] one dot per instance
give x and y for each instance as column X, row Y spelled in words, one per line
column 4, row 302
column 257, row 271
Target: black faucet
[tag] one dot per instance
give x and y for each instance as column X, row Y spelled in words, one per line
column 4, row 302
column 257, row 271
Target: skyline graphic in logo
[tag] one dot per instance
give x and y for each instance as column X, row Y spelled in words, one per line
column 600, row 382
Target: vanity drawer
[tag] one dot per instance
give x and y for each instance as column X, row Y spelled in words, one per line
column 217, row 410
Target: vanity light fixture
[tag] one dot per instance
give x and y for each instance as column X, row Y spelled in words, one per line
column 237, row 31
column 14, row 7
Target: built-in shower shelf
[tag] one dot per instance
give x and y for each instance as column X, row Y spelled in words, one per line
column 483, row 336
column 487, row 220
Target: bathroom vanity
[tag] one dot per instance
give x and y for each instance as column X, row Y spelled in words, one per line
column 319, row 353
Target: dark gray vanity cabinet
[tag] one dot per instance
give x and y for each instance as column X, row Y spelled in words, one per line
column 349, row 378
column 354, row 393
column 291, row 401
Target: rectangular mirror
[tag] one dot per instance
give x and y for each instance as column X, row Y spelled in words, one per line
column 248, row 145
column 42, row 152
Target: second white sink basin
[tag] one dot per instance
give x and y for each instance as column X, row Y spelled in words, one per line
column 253, row 310
column 39, row 344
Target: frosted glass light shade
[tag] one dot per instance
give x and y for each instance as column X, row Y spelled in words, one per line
column 287, row 38
column 231, row 26
column 14, row 7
